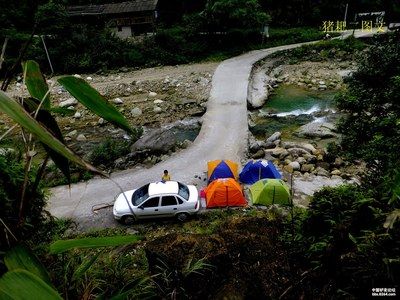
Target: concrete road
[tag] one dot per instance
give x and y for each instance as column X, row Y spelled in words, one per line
column 223, row 135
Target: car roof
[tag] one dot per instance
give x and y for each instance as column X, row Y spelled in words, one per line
column 168, row 187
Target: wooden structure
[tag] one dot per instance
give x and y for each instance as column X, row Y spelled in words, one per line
column 126, row 19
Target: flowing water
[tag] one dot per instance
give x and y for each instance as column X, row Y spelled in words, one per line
column 289, row 108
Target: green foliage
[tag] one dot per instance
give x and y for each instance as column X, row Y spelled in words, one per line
column 21, row 284
column 11, row 181
column 36, row 83
column 21, row 117
column 327, row 50
column 92, row 99
column 225, row 15
column 66, row 245
column 108, row 151
column 20, row 257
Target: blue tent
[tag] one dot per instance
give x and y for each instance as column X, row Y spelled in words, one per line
column 222, row 169
column 256, row 170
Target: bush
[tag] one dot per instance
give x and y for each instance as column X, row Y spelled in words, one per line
column 11, row 182
column 106, row 152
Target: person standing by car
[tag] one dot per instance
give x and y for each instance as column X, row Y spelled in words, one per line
column 166, row 176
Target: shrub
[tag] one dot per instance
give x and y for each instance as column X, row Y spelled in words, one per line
column 106, row 152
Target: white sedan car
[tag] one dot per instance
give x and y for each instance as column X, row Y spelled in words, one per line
column 157, row 200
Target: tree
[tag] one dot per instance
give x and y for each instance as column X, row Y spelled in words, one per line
column 225, row 15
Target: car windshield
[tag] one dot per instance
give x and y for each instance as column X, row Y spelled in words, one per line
column 183, row 191
column 140, row 195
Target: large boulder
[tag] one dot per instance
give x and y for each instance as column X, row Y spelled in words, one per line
column 162, row 140
column 306, row 146
column 316, row 130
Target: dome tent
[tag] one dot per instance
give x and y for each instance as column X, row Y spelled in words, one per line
column 256, row 170
column 270, row 191
column 224, row 192
column 222, row 169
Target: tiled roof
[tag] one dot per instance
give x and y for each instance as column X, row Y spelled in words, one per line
column 113, row 8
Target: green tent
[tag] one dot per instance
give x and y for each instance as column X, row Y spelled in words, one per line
column 270, row 191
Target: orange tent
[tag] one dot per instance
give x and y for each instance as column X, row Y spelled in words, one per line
column 224, row 192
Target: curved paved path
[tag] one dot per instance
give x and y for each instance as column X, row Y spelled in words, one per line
column 223, row 135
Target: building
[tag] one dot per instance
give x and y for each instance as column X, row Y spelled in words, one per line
column 126, row 19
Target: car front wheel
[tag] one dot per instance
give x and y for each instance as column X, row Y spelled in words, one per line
column 128, row 219
column 181, row 217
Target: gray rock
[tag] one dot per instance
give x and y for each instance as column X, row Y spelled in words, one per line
column 306, row 146
column 297, row 152
column 336, row 172
column 295, row 165
column 322, row 172
column 274, row 137
column 152, row 94
column 316, row 130
column 77, row 115
column 186, row 144
column 118, row 101
column 259, row 154
column 279, row 152
column 301, row 160
column 157, row 109
column 101, row 121
column 81, row 138
column 338, row 162
column 71, row 134
column 68, row 102
column 158, row 101
column 136, row 112
column 307, row 168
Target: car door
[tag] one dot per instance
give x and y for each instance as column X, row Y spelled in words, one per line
column 149, row 208
column 169, row 206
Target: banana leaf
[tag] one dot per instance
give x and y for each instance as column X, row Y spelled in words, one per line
column 92, row 99
column 20, row 257
column 65, row 245
column 35, row 83
column 23, row 285
column 20, row 116
column 45, row 118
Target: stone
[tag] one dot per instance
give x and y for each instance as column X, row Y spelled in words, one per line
column 336, row 172
column 259, row 154
column 306, row 146
column 316, row 130
column 77, row 76
column 68, row 102
column 152, row 94
column 270, row 145
column 295, row 165
column 279, row 152
column 324, row 165
column 73, row 133
column 297, row 152
column 322, row 172
column 338, row 162
column 101, row 121
column 157, row 109
column 186, row 144
column 71, row 108
column 274, row 137
column 81, row 138
column 136, row 112
column 288, row 168
column 301, row 160
column 158, row 101
column 118, row 101
column 322, row 87
column 89, row 78
column 307, row 168
column 77, row 115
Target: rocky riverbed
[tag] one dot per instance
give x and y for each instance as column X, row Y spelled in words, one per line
column 165, row 102
column 297, row 101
